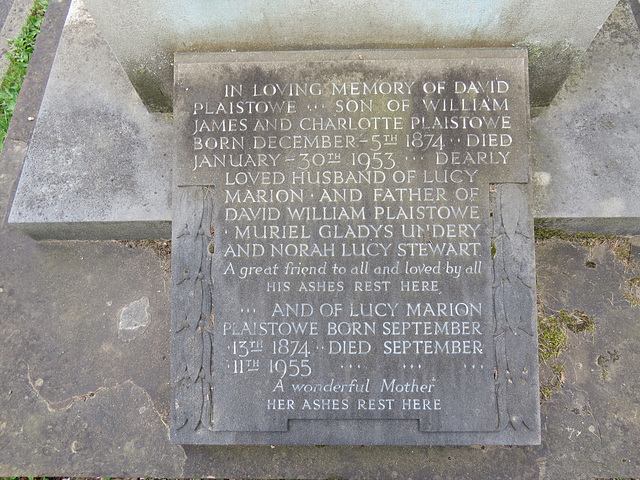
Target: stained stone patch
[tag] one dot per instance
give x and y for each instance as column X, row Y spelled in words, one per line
column 133, row 319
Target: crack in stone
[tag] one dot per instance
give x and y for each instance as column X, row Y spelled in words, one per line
column 66, row 404
column 592, row 429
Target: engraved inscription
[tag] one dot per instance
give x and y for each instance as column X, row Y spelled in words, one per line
column 352, row 265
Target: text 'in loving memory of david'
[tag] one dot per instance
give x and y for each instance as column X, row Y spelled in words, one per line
column 343, row 209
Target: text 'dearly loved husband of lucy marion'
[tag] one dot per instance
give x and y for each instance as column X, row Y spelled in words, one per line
column 352, row 253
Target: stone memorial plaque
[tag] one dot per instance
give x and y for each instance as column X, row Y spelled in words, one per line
column 353, row 249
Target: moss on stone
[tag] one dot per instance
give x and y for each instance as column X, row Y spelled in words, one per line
column 553, row 337
column 549, row 67
column 577, row 321
column 543, row 234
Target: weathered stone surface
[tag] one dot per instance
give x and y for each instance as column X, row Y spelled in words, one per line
column 585, row 146
column 145, row 34
column 339, row 262
column 71, row 386
column 92, row 168
column 592, row 418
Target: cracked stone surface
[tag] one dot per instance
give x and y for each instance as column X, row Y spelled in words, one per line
column 74, row 397
column 73, row 392
column 109, row 421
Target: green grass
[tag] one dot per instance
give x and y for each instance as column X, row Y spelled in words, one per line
column 19, row 57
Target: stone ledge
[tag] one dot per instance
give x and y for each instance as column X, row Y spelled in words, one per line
column 96, row 163
column 584, row 145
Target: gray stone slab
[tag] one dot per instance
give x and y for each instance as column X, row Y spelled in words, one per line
column 98, row 165
column 352, row 253
column 593, row 415
column 586, row 146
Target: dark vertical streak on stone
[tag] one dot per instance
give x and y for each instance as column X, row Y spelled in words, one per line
column 514, row 293
column 635, row 8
